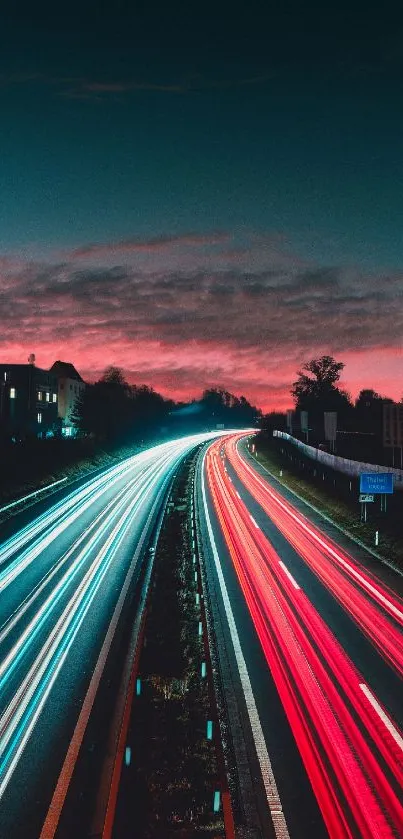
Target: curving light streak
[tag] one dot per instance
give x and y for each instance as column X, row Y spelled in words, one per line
column 28, row 700
column 375, row 608
column 350, row 747
column 45, row 613
column 37, row 636
column 104, row 481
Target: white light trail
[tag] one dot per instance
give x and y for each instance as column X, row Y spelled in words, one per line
column 42, row 639
column 349, row 567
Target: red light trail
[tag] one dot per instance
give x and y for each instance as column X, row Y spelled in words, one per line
column 351, row 749
column 376, row 609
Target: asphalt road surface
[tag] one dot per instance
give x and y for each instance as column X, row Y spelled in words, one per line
column 317, row 637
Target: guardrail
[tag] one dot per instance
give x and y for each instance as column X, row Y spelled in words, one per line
column 354, row 468
column 31, row 495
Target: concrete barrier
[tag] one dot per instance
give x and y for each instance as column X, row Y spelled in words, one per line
column 354, row 468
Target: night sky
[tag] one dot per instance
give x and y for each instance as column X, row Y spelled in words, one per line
column 204, row 196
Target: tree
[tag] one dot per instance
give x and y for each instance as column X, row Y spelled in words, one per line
column 367, row 397
column 150, row 409
column 223, row 407
column 113, row 377
column 369, row 412
column 317, row 392
column 325, row 373
column 273, row 421
column 105, row 408
column 112, row 409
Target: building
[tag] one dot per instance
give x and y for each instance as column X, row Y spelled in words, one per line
column 393, row 424
column 70, row 387
column 28, row 401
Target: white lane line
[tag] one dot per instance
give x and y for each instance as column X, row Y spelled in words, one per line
column 381, row 714
column 272, row 794
column 289, row 575
column 253, row 521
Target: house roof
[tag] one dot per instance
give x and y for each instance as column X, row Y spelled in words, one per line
column 65, row 370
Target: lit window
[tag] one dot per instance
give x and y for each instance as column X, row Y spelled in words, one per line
column 12, row 393
column 54, row 397
column 5, row 376
column 39, row 396
column 39, row 417
column 47, row 396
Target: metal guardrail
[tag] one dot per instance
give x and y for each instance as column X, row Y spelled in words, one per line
column 31, row 495
column 353, row 468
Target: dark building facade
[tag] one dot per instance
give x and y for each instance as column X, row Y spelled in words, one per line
column 28, row 401
column 70, row 387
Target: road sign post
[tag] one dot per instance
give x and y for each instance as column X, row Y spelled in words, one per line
column 330, row 426
column 304, row 423
column 374, row 483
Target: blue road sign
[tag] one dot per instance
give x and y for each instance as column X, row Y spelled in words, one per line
column 376, row 482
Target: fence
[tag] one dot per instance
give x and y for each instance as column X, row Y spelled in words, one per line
column 353, row 468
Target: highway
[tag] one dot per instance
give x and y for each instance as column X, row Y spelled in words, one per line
column 317, row 639
column 63, row 581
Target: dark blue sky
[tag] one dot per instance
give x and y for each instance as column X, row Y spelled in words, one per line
column 278, row 119
column 122, row 123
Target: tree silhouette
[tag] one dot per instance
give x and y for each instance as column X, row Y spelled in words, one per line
column 222, row 407
column 317, row 392
column 113, row 410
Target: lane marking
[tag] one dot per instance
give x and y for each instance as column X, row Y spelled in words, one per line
column 384, row 717
column 238, row 494
column 289, row 575
column 253, row 521
column 269, row 781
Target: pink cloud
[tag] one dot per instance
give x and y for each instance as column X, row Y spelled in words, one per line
column 156, row 244
column 190, row 318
